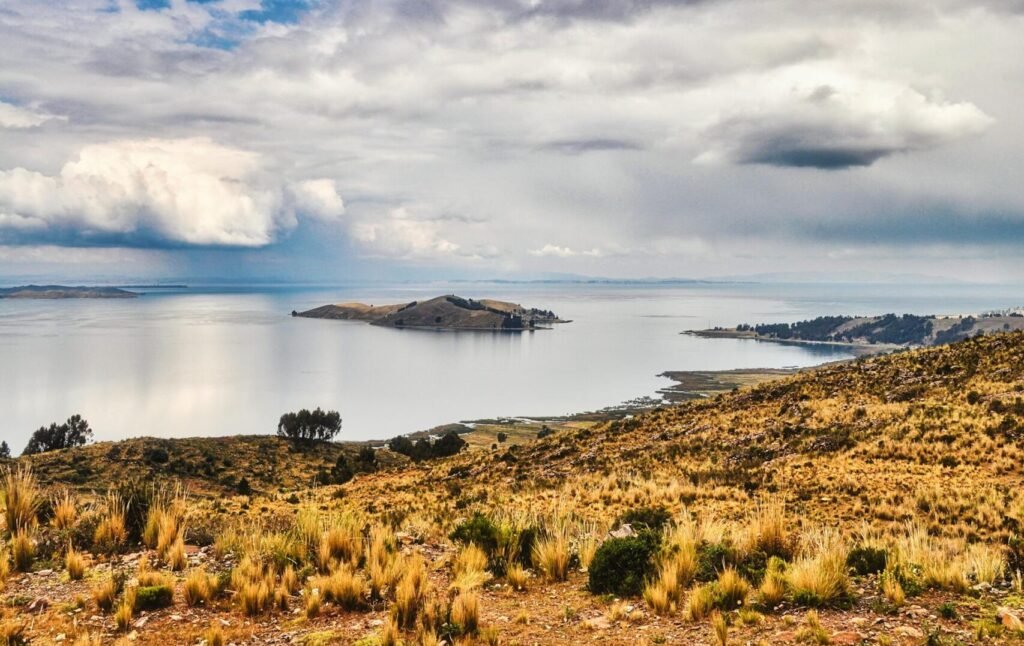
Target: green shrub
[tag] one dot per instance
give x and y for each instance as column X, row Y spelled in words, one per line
column 621, row 565
column 479, row 530
column 712, row 558
column 867, row 560
column 646, row 517
column 154, row 597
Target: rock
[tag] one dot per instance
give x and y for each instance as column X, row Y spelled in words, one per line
column 141, row 621
column 847, row 638
column 60, row 637
column 598, row 623
column 375, row 623
column 858, row 621
column 623, row 531
column 39, row 604
column 1009, row 619
column 44, row 572
column 909, row 632
column 176, row 617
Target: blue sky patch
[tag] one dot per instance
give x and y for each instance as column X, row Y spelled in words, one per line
column 279, row 11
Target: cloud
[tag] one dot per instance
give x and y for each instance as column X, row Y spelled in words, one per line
column 580, row 146
column 151, row 192
column 12, row 116
column 318, row 198
column 400, row 235
column 809, row 117
column 550, row 250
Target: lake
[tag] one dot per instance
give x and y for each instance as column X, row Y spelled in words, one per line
column 212, row 360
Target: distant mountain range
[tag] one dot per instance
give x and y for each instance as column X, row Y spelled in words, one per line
column 62, row 291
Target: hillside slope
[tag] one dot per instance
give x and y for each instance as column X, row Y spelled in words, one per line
column 875, row 502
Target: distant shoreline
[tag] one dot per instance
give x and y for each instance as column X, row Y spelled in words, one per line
column 859, row 349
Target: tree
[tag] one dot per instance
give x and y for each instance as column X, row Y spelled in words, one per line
column 310, row 425
column 74, row 432
column 5, row 451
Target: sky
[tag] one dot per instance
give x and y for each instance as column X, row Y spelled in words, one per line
column 403, row 139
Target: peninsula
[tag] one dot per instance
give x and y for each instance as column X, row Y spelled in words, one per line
column 53, row 292
column 447, row 312
column 876, row 333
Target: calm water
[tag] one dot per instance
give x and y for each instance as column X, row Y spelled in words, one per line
column 215, row 361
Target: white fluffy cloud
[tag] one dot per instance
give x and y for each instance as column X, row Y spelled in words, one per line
column 180, row 191
column 550, row 250
column 401, row 235
column 820, row 117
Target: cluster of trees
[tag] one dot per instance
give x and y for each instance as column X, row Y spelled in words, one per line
column 72, row 433
column 345, row 469
column 890, row 328
column 310, row 425
column 423, row 449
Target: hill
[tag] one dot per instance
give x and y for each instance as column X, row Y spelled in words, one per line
column 61, row 291
column 207, row 466
column 888, row 330
column 877, row 501
column 444, row 312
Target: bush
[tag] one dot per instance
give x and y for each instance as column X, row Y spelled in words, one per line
column 620, row 565
column 74, row 432
column 310, row 425
column 341, row 472
column 477, row 530
column 154, row 597
column 712, row 558
column 449, row 444
column 867, row 560
column 653, row 518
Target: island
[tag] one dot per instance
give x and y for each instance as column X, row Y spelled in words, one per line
column 52, row 292
column 447, row 312
column 876, row 333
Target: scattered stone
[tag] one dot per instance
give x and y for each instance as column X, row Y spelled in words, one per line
column 623, row 531
column 39, row 604
column 141, row 621
column 847, row 638
column 598, row 623
column 909, row 632
column 1009, row 619
column 44, row 572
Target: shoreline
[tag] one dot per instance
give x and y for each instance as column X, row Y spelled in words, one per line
column 859, row 349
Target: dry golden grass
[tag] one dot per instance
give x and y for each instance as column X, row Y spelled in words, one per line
column 410, row 593
column 719, row 628
column 551, row 554
column 343, row 587
column 214, row 636
column 75, row 564
column 65, row 512
column 13, row 631
column 21, row 499
column 313, row 602
column 124, row 612
column 111, row 532
column 23, row 550
column 175, row 556
column 517, row 576
column 812, row 631
column 104, row 593
column 819, row 576
column 466, row 612
column 198, row 587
